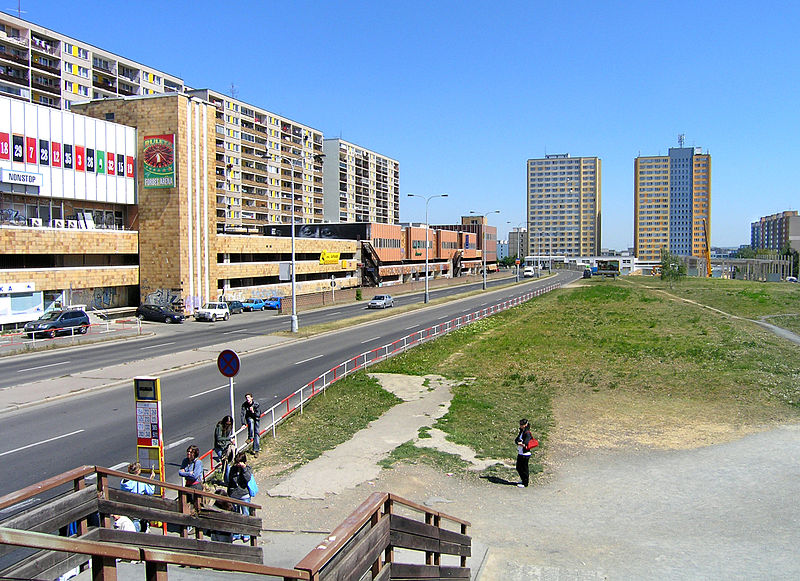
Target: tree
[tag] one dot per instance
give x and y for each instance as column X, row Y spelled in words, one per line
column 673, row 268
column 790, row 254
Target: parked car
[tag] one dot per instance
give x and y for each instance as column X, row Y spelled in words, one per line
column 213, row 312
column 235, row 307
column 67, row 321
column 253, row 304
column 381, row 302
column 159, row 314
column 273, row 303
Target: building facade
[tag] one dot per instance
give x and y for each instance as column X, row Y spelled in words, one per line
column 672, row 203
column 564, row 205
column 360, row 185
column 777, row 231
column 268, row 168
column 45, row 67
column 518, row 243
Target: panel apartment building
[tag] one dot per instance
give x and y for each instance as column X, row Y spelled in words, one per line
column 564, row 195
column 672, row 203
column 360, row 185
column 774, row 232
column 45, row 67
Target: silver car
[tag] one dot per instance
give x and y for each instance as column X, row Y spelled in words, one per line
column 381, row 302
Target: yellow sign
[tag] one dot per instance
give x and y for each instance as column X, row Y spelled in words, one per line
column 329, row 257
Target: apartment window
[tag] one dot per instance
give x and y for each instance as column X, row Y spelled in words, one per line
column 68, row 86
column 83, row 90
column 83, row 72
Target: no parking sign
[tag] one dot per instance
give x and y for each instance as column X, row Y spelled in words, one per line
column 228, row 364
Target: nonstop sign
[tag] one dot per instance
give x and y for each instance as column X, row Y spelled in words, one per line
column 21, row 177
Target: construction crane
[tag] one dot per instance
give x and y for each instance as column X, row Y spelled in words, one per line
column 706, row 248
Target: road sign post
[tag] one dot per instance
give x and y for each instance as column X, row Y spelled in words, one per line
column 228, row 364
column 149, row 435
column 333, row 289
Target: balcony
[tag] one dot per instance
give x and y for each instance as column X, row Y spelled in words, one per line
column 44, row 46
column 46, row 68
column 13, row 39
column 55, row 89
column 123, row 90
column 14, row 57
column 108, row 68
column 14, row 79
column 104, row 85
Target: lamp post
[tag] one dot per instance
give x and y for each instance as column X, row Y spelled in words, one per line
column 427, row 201
column 483, row 247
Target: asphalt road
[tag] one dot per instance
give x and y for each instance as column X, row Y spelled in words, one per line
column 192, row 334
column 99, row 428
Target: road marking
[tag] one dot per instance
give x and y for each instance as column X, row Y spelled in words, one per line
column 236, row 331
column 208, row 391
column 39, row 443
column 178, row 443
column 368, row 340
column 159, row 345
column 119, row 466
column 42, row 366
column 310, row 359
column 411, row 327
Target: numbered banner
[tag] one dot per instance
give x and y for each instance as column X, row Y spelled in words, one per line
column 55, row 154
column 5, row 146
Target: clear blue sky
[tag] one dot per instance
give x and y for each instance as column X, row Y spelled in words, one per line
column 463, row 93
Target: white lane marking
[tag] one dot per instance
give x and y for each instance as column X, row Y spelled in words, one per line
column 178, row 443
column 411, row 327
column 42, row 366
column 368, row 340
column 42, row 442
column 159, row 345
column 120, row 466
column 310, row 359
column 208, row 391
column 236, row 331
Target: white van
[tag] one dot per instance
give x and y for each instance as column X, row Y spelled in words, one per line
column 528, row 272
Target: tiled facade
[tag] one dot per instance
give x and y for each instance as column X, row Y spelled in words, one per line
column 564, row 205
column 360, row 185
column 672, row 203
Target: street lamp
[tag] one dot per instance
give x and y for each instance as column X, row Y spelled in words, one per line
column 427, row 200
column 291, row 161
column 483, row 247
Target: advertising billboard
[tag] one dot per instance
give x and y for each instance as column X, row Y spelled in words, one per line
column 158, row 154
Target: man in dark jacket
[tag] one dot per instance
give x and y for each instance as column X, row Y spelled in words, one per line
column 251, row 415
column 525, row 442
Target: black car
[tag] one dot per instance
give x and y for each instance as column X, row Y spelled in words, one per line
column 159, row 314
column 69, row 321
column 235, row 307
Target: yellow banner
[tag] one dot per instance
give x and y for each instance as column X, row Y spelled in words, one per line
column 329, row 257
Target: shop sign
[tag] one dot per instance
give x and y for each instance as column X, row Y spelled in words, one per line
column 25, row 178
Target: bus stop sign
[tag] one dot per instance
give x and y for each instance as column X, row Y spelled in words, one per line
column 228, row 363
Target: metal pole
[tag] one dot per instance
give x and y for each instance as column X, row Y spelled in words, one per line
column 483, row 251
column 427, row 229
column 294, row 292
column 230, row 379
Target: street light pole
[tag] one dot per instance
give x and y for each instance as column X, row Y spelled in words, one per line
column 427, row 199
column 483, row 247
column 295, row 324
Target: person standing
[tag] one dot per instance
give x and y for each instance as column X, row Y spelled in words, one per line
column 237, row 481
column 525, row 443
column 192, row 469
column 224, row 443
column 251, row 416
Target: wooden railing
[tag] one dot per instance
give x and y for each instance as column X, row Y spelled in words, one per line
column 64, row 520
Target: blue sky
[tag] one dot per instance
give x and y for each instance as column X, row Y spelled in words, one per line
column 463, row 93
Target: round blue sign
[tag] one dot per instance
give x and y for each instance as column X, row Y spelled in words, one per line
column 228, row 363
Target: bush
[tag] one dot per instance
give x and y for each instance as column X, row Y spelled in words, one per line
column 358, row 294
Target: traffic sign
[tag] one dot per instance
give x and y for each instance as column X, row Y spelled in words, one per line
column 228, row 363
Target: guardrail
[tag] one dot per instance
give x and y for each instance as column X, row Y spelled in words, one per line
column 296, row 400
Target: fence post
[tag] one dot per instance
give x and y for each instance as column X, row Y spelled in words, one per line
column 272, row 411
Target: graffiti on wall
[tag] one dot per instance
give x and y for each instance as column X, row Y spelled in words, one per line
column 164, row 297
column 96, row 298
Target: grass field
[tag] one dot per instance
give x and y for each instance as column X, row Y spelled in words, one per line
column 605, row 364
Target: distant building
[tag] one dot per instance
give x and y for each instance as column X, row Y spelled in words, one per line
column 672, row 203
column 518, row 243
column 563, row 203
column 502, row 249
column 360, row 185
column 776, row 231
